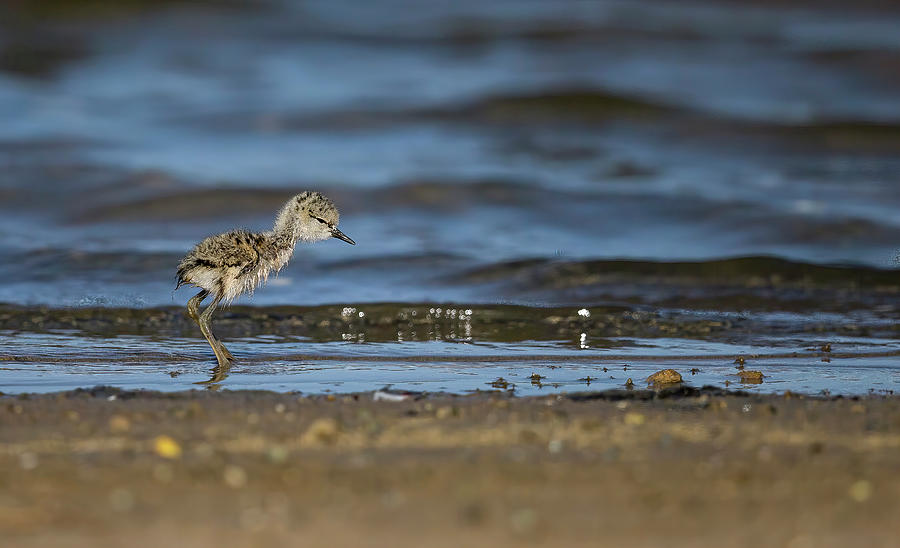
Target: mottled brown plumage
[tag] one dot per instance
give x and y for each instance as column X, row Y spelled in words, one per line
column 236, row 262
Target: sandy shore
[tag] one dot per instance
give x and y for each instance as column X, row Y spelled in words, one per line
column 696, row 468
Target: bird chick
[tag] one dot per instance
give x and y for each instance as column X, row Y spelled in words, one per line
column 236, row 262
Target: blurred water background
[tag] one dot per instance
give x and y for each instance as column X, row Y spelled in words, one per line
column 529, row 152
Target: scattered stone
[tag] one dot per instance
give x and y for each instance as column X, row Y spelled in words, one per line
column 860, row 491
column 500, row 383
column 166, row 447
column 234, row 476
column 750, row 377
column 119, row 424
column 28, row 461
column 322, row 430
column 666, row 376
column 444, row 412
column 277, row 454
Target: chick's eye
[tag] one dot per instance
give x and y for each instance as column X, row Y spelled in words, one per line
column 320, row 220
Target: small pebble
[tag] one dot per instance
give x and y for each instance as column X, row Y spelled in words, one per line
column 204, row 450
column 119, row 424
column 322, row 431
column 166, row 447
column 666, row 376
column 28, row 461
column 234, row 476
column 860, row 491
column 444, row 412
column 500, row 383
column 277, row 454
column 750, row 377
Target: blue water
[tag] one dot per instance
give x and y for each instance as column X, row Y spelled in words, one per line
column 61, row 361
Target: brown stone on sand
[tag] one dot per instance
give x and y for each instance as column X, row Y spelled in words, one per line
column 666, row 376
column 752, row 377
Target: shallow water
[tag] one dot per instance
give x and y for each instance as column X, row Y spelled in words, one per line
column 540, row 154
column 423, row 348
column 62, row 362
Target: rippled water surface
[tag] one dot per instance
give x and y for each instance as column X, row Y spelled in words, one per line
column 438, row 367
column 729, row 162
column 65, row 361
column 422, row 348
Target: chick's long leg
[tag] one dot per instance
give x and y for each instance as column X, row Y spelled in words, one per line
column 224, row 350
column 205, row 318
column 193, row 307
column 220, row 371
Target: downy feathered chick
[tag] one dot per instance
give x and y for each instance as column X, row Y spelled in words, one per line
column 236, row 262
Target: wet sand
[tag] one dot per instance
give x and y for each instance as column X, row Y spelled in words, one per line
column 682, row 467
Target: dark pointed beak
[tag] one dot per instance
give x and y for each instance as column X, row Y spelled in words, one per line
column 341, row 236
